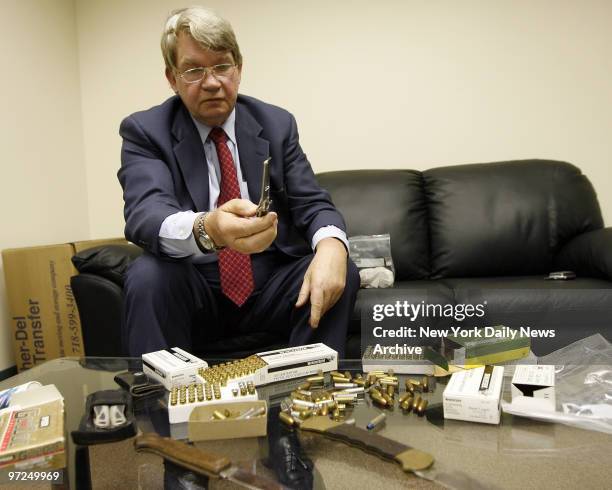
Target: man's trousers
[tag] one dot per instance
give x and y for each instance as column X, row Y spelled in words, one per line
column 170, row 303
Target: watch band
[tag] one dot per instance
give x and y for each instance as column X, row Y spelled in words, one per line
column 410, row 459
column 203, row 240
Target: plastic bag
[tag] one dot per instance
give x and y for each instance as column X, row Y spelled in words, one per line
column 583, row 386
column 372, row 256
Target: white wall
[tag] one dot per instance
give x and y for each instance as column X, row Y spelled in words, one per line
column 404, row 83
column 393, row 84
column 43, row 198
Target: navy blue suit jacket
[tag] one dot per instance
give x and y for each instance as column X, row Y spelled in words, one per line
column 163, row 171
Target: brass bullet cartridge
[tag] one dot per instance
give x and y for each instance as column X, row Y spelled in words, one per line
column 316, row 379
column 387, row 398
column 304, row 386
column 336, row 373
column 286, row 418
column 404, row 397
column 348, row 375
column 390, row 390
column 416, row 403
column 375, row 391
column 417, row 384
column 425, row 384
column 345, row 399
column 345, row 385
column 340, row 379
column 407, row 404
column 376, row 421
column 421, row 408
column 357, row 390
column 305, row 393
column 306, row 414
column 377, row 398
column 218, row 415
column 302, row 403
column 336, row 414
column 359, row 381
column 324, row 410
column 387, row 381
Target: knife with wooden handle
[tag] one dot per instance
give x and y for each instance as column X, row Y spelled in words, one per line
column 410, row 459
column 202, row 462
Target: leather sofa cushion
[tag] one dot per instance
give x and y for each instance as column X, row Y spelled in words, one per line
column 505, row 218
column 572, row 309
column 109, row 261
column 385, row 201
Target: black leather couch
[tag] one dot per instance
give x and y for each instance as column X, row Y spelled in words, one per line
column 481, row 233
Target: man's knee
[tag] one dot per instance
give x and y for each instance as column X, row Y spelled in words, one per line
column 150, row 275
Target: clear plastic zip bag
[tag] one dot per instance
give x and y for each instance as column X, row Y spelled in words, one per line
column 372, row 256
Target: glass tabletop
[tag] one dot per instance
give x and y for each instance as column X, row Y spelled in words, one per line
column 518, row 453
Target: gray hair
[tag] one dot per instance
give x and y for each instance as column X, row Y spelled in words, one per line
column 206, row 27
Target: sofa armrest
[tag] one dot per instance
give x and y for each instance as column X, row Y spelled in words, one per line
column 99, row 301
column 108, row 261
column 588, row 254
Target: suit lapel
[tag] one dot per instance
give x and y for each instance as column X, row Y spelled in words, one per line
column 189, row 153
column 252, row 149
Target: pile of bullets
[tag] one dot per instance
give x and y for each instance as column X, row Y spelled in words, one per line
column 314, row 398
column 338, row 399
column 225, row 371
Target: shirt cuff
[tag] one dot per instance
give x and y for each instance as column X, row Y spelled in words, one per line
column 176, row 237
column 329, row 231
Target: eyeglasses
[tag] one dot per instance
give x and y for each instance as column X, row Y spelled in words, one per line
column 220, row 72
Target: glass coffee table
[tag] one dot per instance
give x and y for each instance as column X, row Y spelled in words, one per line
column 519, row 453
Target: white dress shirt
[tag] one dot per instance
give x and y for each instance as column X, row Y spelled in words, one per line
column 176, row 237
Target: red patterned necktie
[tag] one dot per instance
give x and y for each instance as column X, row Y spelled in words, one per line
column 234, row 268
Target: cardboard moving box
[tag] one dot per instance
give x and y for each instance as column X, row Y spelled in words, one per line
column 44, row 316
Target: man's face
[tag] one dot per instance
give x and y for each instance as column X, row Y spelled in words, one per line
column 210, row 100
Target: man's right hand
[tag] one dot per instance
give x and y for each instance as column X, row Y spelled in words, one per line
column 234, row 225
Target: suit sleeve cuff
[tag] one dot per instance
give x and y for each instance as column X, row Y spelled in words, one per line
column 176, row 237
column 329, row 231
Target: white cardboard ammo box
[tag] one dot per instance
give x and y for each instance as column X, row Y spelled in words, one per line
column 172, row 367
column 465, row 399
column 535, row 383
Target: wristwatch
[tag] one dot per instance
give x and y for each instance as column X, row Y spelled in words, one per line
column 203, row 240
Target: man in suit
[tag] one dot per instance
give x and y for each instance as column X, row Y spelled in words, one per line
column 191, row 172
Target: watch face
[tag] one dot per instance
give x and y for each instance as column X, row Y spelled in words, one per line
column 207, row 243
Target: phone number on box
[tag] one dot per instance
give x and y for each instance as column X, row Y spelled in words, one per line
column 52, row 476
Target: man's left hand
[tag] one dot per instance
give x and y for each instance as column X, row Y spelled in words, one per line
column 324, row 280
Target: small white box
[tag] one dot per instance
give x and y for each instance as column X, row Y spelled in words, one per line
column 172, row 367
column 295, row 362
column 474, row 395
column 535, row 382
